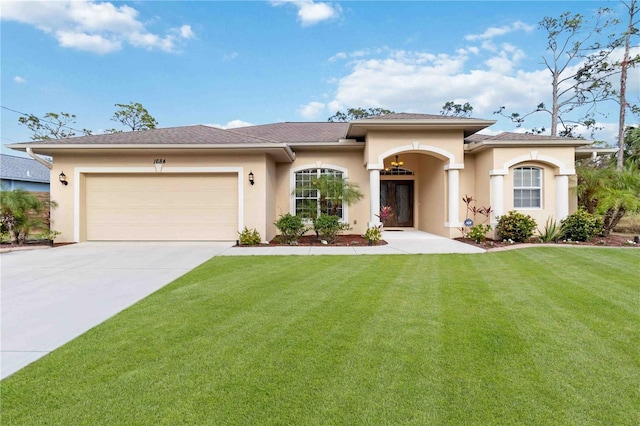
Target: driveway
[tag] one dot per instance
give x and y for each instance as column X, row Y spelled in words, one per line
column 51, row 296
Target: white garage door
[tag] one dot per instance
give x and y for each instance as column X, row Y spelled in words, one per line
column 134, row 207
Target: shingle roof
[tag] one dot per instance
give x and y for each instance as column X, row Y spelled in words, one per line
column 188, row 135
column 413, row 116
column 22, row 169
column 511, row 136
column 289, row 132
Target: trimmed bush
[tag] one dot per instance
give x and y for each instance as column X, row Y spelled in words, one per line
column 328, row 227
column 249, row 237
column 291, row 228
column 373, row 234
column 581, row 226
column 478, row 233
column 516, row 226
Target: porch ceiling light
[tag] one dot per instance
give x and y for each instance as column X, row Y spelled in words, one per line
column 397, row 163
column 63, row 179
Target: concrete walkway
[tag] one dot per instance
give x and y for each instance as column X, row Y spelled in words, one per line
column 50, row 296
column 406, row 241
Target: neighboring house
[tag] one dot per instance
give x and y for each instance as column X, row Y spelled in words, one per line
column 193, row 182
column 23, row 173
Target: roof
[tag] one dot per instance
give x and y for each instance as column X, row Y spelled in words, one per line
column 22, row 169
column 301, row 132
column 186, row 135
column 414, row 116
column 479, row 141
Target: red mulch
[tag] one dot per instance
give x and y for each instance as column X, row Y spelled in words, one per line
column 613, row 240
column 350, row 240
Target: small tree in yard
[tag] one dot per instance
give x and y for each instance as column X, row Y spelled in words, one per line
column 19, row 212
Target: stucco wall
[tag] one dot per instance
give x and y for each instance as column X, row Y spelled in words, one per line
column 254, row 201
column 351, row 160
column 431, row 195
column 386, row 143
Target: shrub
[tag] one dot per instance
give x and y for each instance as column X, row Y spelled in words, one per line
column 581, row 226
column 552, row 232
column 291, row 228
column 249, row 237
column 373, row 234
column 516, row 226
column 478, row 233
column 328, row 227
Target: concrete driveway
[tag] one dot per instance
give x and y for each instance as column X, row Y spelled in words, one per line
column 51, row 296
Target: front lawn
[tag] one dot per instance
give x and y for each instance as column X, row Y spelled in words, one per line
column 543, row 336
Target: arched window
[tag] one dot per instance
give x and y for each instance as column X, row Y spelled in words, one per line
column 527, row 187
column 307, row 201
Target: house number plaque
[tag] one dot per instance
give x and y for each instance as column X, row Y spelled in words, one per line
column 159, row 161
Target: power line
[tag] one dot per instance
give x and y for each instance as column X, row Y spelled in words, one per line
column 42, row 119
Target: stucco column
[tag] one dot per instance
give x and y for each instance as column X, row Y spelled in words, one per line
column 374, row 197
column 454, row 197
column 562, row 197
column 497, row 196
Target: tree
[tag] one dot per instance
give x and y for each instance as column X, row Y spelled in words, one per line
column 358, row 113
column 133, row 115
column 609, row 192
column 631, row 150
column 51, row 126
column 333, row 192
column 456, row 110
column 20, row 210
column 570, row 38
column 627, row 62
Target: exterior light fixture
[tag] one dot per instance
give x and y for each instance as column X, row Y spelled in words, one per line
column 397, row 163
column 63, row 179
column 251, row 181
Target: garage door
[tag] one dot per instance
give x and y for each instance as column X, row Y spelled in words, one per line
column 161, row 207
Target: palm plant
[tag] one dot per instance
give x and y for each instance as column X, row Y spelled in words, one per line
column 19, row 212
column 333, row 193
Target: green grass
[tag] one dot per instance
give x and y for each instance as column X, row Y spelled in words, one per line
column 544, row 336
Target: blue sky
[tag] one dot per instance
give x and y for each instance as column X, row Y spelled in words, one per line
column 241, row 62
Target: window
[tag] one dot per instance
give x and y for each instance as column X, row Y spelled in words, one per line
column 527, row 187
column 308, row 203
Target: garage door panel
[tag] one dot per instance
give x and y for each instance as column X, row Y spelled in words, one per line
column 161, row 207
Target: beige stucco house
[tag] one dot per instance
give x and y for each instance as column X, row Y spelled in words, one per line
column 205, row 183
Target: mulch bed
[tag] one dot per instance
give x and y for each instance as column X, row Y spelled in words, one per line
column 349, row 240
column 613, row 240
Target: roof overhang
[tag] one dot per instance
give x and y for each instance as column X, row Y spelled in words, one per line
column 555, row 143
column 585, row 152
column 281, row 153
column 359, row 128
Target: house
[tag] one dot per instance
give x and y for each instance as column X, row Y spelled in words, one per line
column 204, row 183
column 23, row 173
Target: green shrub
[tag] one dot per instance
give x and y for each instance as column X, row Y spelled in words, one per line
column 581, row 226
column 373, row 235
column 516, row 226
column 478, row 233
column 551, row 233
column 249, row 237
column 291, row 228
column 328, row 227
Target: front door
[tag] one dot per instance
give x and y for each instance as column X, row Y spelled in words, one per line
column 399, row 195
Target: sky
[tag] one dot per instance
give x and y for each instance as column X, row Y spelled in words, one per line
column 237, row 63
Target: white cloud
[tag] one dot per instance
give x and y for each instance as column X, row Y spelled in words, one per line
column 231, row 56
column 493, row 32
column 310, row 12
column 233, row 124
column 312, row 110
column 93, row 27
column 19, row 80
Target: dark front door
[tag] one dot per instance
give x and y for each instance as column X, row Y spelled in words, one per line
column 399, row 195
